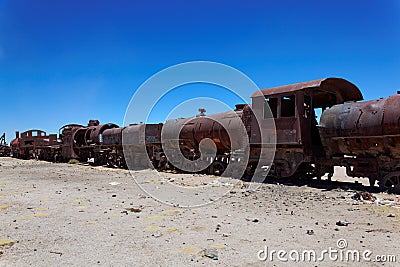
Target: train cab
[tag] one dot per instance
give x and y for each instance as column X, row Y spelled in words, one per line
column 294, row 109
column 34, row 144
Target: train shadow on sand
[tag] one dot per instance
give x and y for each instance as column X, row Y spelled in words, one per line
column 323, row 184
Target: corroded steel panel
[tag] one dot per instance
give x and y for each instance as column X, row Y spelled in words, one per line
column 112, row 136
column 97, row 131
column 343, row 89
column 368, row 128
column 391, row 123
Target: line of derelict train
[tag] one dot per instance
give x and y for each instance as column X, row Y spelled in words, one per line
column 364, row 137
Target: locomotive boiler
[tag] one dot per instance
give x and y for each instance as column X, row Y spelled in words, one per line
column 223, row 131
column 83, row 143
column 365, row 138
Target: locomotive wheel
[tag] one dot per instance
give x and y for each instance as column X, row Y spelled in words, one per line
column 250, row 170
column 391, row 182
column 217, row 168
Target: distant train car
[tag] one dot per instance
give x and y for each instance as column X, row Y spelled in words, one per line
column 83, row 143
column 142, row 145
column 5, row 150
column 35, row 144
column 66, row 134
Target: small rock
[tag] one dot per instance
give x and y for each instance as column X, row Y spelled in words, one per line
column 310, row 232
column 6, row 243
column 363, row 196
column 391, row 215
column 157, row 235
column 342, row 223
column 134, row 209
column 211, row 253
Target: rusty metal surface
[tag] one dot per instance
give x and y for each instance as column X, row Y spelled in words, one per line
column 341, row 88
column 112, row 136
column 366, row 128
column 294, row 118
column 141, row 145
column 391, row 121
column 84, row 142
column 91, row 135
column 96, row 133
column 93, row 123
column 142, row 134
column 35, row 144
column 354, row 119
column 364, row 137
column 79, row 136
column 5, row 151
column 215, row 127
column 66, row 134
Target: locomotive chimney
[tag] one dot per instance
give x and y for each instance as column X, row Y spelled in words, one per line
column 202, row 112
column 17, row 134
column 398, row 92
column 239, row 106
column 93, row 123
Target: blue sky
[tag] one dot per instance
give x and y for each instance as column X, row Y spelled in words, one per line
column 70, row 61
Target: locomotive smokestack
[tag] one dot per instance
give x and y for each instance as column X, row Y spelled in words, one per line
column 202, row 112
column 93, row 123
column 239, row 106
column 398, row 92
column 17, row 134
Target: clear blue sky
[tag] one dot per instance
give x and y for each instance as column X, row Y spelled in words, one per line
column 69, row 61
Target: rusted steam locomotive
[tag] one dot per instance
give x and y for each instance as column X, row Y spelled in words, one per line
column 364, row 137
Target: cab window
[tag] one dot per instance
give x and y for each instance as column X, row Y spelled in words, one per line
column 273, row 105
column 288, row 106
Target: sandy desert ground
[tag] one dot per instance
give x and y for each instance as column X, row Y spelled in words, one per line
column 75, row 215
